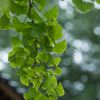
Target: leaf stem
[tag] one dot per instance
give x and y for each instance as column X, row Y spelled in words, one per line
column 30, row 5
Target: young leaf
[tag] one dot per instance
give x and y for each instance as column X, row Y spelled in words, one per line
column 60, row 47
column 24, row 80
column 57, row 71
column 52, row 14
column 42, row 3
column 55, row 30
column 43, row 57
column 38, row 30
column 33, row 92
column 21, row 72
column 53, row 81
column 26, row 96
column 4, row 4
column 15, row 41
column 57, row 60
column 18, row 26
column 60, row 90
column 38, row 69
column 17, row 9
column 83, row 6
column 4, row 22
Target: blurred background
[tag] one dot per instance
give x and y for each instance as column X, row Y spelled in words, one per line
column 81, row 60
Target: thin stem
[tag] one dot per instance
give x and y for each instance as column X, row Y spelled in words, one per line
column 30, row 5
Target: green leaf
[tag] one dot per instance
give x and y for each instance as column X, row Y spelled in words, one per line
column 57, row 71
column 53, row 81
column 50, row 61
column 5, row 23
column 42, row 3
column 26, row 96
column 60, row 90
column 50, row 72
column 16, row 8
column 60, row 47
column 38, row 30
column 19, row 51
column 46, row 83
column 38, row 11
column 83, row 6
column 43, row 57
column 57, row 60
column 34, row 16
column 21, row 72
column 46, row 45
column 55, row 30
column 4, row 4
column 98, row 1
column 52, row 14
column 40, row 78
column 12, row 58
column 24, row 80
column 33, row 92
column 29, row 61
column 18, row 26
column 20, row 62
column 38, row 69
column 25, row 41
column 15, row 41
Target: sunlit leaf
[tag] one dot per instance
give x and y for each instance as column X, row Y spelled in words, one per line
column 60, row 47
column 24, row 80
column 60, row 89
column 57, row 71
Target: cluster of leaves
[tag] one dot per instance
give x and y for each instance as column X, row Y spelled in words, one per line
column 33, row 49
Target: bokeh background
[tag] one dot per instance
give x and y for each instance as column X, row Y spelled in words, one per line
column 81, row 60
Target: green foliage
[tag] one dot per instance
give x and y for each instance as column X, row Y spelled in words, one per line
column 32, row 50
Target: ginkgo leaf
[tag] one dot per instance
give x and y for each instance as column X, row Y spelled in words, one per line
column 83, row 6
column 33, row 92
column 24, row 80
column 60, row 47
column 38, row 30
column 4, row 4
column 42, row 3
column 55, row 30
column 57, row 71
column 5, row 22
column 26, row 96
column 53, row 81
column 16, row 8
column 18, row 26
column 57, row 60
column 52, row 13
column 60, row 89
column 15, row 41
